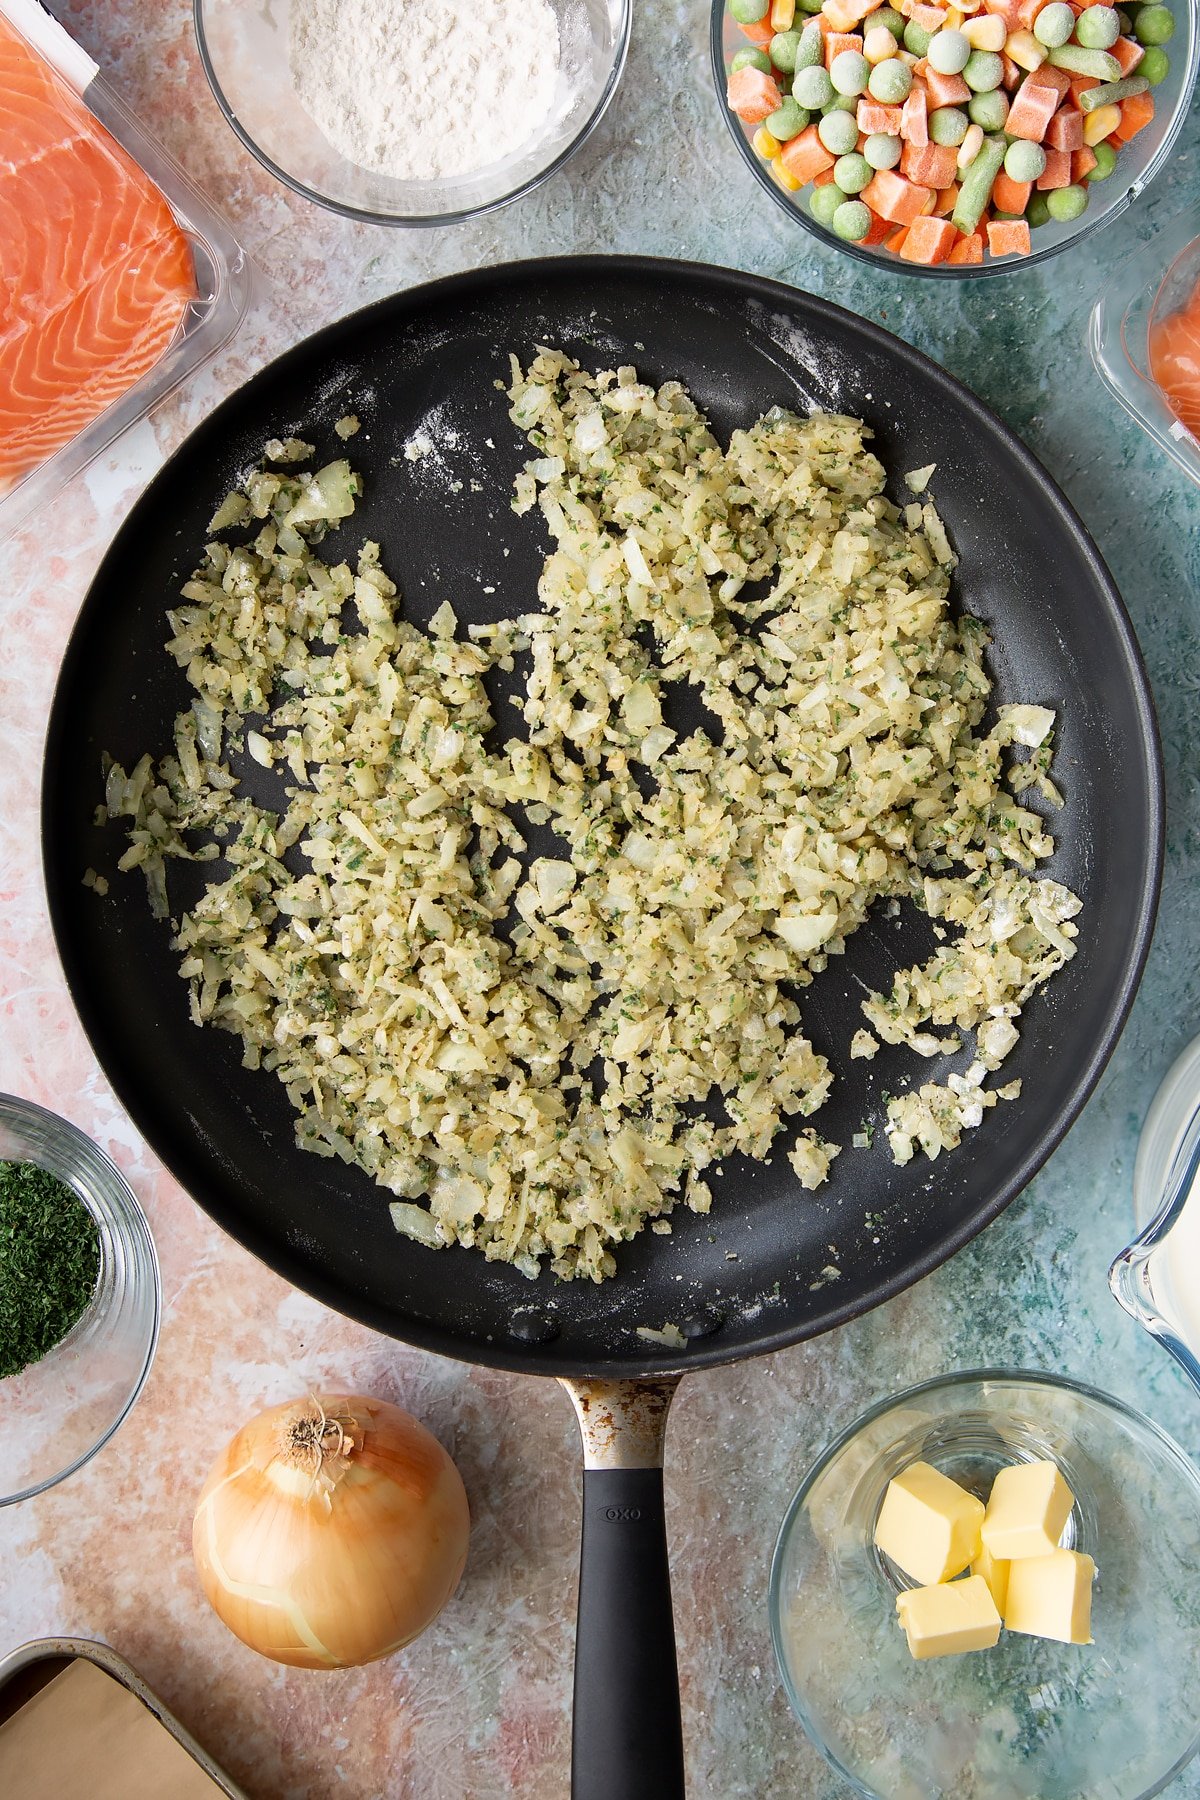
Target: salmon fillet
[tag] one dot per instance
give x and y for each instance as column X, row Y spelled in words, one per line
column 1175, row 361
column 95, row 273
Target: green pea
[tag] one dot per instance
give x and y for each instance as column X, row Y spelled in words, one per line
column 838, row 132
column 841, row 103
column 849, row 72
column 1054, row 25
column 810, row 51
column 947, row 125
column 949, row 52
column 852, row 221
column 852, row 172
column 1106, row 162
column 1022, row 161
column 989, row 111
column 882, row 150
column 997, row 214
column 1067, row 203
column 784, row 46
column 750, row 59
column 916, row 39
column 1154, row 25
column 749, row 12
column 1097, row 28
column 1155, row 65
column 812, row 88
column 823, row 202
column 984, row 71
column 788, row 121
column 809, row 6
column 890, row 20
column 1038, row 210
column 890, row 82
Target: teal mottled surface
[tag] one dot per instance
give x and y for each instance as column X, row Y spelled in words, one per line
column 480, row 1706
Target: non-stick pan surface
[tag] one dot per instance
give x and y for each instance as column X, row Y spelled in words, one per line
column 770, row 1264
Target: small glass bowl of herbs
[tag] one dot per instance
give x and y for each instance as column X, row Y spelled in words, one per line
column 79, row 1299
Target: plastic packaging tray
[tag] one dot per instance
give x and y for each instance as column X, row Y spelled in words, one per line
column 1157, row 278
column 28, row 1668
column 224, row 275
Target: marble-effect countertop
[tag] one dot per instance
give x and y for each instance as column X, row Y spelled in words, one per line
column 480, row 1706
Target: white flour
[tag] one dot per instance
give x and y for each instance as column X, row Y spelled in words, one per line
column 424, row 89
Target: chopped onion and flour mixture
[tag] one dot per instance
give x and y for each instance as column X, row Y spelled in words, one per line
column 538, row 1057
column 424, row 90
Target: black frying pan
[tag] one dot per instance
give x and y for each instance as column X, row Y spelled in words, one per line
column 753, row 1275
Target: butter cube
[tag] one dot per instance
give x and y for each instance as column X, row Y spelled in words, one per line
column 928, row 1525
column 949, row 1618
column 1051, row 1596
column 995, row 1573
column 1028, row 1507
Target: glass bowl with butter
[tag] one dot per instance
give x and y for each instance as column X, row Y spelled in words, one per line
column 936, row 1697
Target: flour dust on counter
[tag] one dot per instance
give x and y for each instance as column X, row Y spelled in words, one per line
column 425, row 90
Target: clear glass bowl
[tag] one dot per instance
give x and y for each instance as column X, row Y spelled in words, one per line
column 1113, row 1720
column 58, row 1412
column 1137, row 165
column 1155, row 280
column 239, row 39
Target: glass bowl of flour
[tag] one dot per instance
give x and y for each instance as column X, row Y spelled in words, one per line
column 413, row 112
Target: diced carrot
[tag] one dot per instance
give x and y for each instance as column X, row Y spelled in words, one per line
column 1127, row 53
column 1012, row 74
column 894, row 198
column 844, row 15
column 1065, row 130
column 929, row 240
column 823, row 179
column 862, row 138
column 929, row 18
column 1008, row 237
column 880, row 230
column 1136, row 113
column 1083, row 161
column 896, row 241
column 1050, row 77
column 823, row 24
column 1080, row 85
column 760, row 34
column 1030, row 114
column 945, row 201
column 872, row 116
column 805, row 156
column 753, row 96
column 1057, row 173
column 837, row 41
column 945, row 90
column 933, row 165
column 1008, row 10
column 967, row 249
column 914, row 118
column 1010, row 196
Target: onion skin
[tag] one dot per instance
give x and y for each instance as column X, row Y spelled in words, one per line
column 324, row 1559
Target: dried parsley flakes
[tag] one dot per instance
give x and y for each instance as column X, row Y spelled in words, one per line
column 49, row 1262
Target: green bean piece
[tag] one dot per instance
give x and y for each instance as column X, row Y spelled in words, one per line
column 750, row 58
column 1106, row 162
column 1155, row 65
column 810, row 51
column 947, row 125
column 988, row 111
column 1077, row 61
column 1112, row 91
column 1154, row 25
column 976, row 189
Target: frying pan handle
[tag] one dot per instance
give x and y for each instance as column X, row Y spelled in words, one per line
column 628, row 1740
